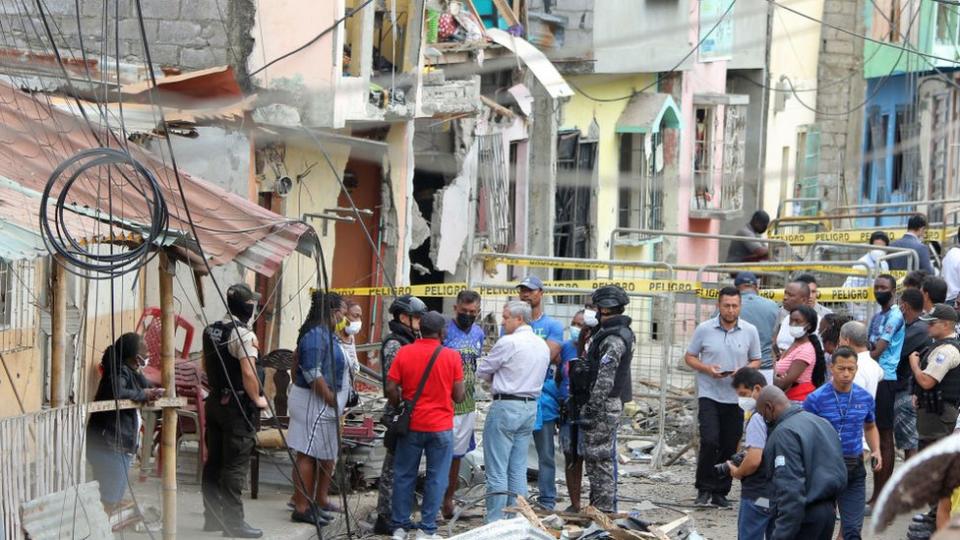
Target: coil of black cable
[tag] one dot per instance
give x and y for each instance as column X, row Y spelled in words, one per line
column 115, row 180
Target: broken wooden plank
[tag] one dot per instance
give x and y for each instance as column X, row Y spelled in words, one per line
column 505, row 11
column 674, row 529
column 500, row 109
column 602, row 519
column 527, row 511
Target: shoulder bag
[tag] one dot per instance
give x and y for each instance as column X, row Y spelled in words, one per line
column 398, row 420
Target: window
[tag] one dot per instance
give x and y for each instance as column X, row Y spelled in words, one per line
column 734, row 155
column 727, row 166
column 905, row 152
column 939, row 151
column 703, row 157
column 18, row 310
column 6, row 294
column 807, row 171
column 641, row 181
column 895, row 16
column 946, row 24
column 494, row 208
column 576, row 164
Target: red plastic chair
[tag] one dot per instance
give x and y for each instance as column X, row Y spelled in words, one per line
column 149, row 328
column 191, row 424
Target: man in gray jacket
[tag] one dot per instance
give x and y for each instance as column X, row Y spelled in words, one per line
column 805, row 462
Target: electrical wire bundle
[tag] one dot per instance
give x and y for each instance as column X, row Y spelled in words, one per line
column 104, row 173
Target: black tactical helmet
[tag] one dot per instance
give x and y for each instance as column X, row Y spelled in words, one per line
column 408, row 305
column 610, row 296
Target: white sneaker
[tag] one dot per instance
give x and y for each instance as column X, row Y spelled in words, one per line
column 426, row 536
column 399, row 534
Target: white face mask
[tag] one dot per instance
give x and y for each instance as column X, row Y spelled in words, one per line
column 142, row 361
column 353, row 328
column 797, row 332
column 590, row 318
column 875, row 254
column 748, row 404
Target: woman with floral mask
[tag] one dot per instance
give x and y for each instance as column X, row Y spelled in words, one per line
column 802, row 368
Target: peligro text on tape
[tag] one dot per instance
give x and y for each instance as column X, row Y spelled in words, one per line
column 856, row 236
column 640, row 286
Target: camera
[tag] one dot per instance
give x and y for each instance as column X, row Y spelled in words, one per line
column 723, row 469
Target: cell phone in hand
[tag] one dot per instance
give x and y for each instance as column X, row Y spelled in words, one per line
column 873, row 462
column 726, row 373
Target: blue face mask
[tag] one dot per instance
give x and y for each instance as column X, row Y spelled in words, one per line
column 575, row 333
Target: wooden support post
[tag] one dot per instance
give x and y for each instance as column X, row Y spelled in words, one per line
column 168, row 376
column 58, row 333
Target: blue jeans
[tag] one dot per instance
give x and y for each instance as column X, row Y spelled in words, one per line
column 506, row 437
column 546, row 456
column 754, row 522
column 110, row 469
column 852, row 500
column 438, row 446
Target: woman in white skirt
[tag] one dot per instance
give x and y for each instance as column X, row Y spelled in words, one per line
column 320, row 389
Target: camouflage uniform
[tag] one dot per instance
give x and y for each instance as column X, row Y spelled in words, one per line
column 385, row 483
column 601, row 418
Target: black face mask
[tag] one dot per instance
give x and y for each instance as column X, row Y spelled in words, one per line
column 883, row 298
column 241, row 310
column 464, row 321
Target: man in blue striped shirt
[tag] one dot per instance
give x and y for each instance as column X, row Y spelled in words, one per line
column 850, row 409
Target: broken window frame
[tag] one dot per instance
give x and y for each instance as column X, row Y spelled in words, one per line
column 573, row 229
column 17, row 305
column 807, row 169
column 940, row 113
column 703, row 138
column 494, row 221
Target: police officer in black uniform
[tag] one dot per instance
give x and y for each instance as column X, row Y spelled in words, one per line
column 404, row 328
column 600, row 384
column 234, row 403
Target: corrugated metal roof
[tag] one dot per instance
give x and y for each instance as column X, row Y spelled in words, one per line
column 35, row 138
column 73, row 513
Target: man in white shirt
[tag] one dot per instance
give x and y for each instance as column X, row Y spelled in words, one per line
column 950, row 269
column 515, row 368
column 869, row 373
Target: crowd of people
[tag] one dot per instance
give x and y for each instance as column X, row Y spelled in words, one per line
column 826, row 396
column 795, row 401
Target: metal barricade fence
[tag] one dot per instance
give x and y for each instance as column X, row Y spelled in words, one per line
column 655, row 379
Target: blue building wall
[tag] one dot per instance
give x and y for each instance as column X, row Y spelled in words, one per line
column 885, row 96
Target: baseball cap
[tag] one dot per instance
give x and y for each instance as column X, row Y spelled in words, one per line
column 745, row 278
column 531, row 282
column 241, row 292
column 940, row 312
column 432, row 322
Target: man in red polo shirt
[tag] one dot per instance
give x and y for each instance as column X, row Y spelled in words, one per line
column 431, row 424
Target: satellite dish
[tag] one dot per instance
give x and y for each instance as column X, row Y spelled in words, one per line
column 283, row 186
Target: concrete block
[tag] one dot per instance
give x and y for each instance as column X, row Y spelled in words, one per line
column 165, row 55
column 183, row 33
column 60, row 7
column 214, row 34
column 130, row 29
column 200, row 58
column 204, row 10
column 160, row 9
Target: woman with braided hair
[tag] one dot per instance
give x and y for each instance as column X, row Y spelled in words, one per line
column 320, row 385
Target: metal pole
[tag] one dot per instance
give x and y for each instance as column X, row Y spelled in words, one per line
column 897, row 205
column 664, row 380
column 58, row 333
column 168, row 376
column 653, row 232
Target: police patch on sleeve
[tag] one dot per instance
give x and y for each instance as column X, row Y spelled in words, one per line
column 940, row 358
column 607, row 358
column 779, row 461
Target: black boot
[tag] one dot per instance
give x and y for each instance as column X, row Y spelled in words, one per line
column 382, row 526
column 242, row 530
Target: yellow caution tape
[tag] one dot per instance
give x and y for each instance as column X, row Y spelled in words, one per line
column 855, row 236
column 493, row 258
column 635, row 286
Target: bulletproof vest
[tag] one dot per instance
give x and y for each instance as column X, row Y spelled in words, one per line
column 949, row 388
column 223, row 369
column 402, row 335
column 587, row 369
